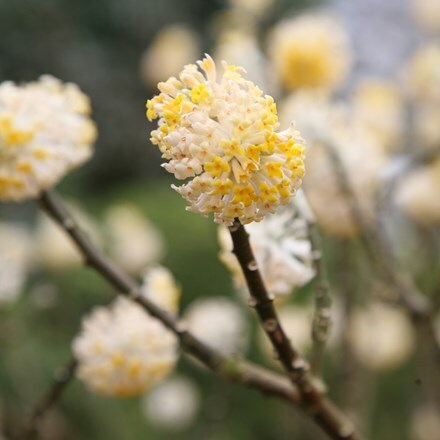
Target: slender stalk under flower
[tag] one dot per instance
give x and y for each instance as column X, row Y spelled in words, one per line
column 313, row 401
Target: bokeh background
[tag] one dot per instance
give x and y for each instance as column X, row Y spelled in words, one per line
column 105, row 46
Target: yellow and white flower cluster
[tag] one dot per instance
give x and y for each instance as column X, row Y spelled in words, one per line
column 310, row 51
column 45, row 130
column 122, row 351
column 282, row 251
column 221, row 133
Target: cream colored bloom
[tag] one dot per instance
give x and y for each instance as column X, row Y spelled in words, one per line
column 418, row 195
column 423, row 73
column 171, row 48
column 378, row 105
column 310, row 51
column 122, row 351
column 134, row 242
column 426, row 13
column 282, row 250
column 15, row 251
column 219, row 132
column 381, row 337
column 45, row 130
column 220, row 323
column 173, row 404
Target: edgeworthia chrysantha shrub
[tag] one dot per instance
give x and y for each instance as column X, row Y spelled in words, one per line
column 121, row 350
column 45, row 130
column 219, row 132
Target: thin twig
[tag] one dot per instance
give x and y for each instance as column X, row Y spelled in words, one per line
column 322, row 314
column 313, row 401
column 230, row 369
column 61, row 379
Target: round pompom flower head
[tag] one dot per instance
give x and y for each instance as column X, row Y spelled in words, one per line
column 310, row 51
column 121, row 350
column 220, row 133
column 45, row 130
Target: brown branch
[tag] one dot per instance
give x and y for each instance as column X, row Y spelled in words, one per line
column 313, row 401
column 61, row 379
column 228, row 368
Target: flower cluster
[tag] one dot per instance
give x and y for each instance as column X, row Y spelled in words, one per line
column 222, row 134
column 310, row 51
column 45, row 130
column 122, row 351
